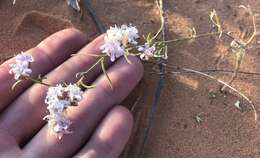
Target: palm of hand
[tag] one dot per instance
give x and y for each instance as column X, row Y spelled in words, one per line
column 100, row 126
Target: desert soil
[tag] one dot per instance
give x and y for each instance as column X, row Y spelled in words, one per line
column 225, row 131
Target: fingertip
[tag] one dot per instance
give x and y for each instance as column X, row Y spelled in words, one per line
column 70, row 37
column 78, row 34
column 111, row 136
column 59, row 46
column 72, row 33
column 124, row 113
column 124, row 116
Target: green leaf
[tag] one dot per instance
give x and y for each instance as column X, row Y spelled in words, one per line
column 86, row 86
column 149, row 38
column 81, row 84
column 105, row 72
column 94, row 65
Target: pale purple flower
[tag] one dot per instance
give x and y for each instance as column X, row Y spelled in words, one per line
column 147, row 51
column 58, row 124
column 116, row 38
column 113, row 50
column 22, row 66
column 25, row 58
column 131, row 33
column 58, row 99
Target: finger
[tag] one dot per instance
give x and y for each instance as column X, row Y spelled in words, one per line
column 8, row 146
column 111, row 135
column 30, row 105
column 47, row 55
column 85, row 117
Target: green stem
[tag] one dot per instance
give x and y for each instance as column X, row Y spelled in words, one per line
column 186, row 38
column 189, row 38
column 95, row 64
column 36, row 81
column 82, row 74
column 159, row 3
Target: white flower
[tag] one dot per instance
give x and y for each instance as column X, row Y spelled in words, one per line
column 58, row 99
column 58, row 124
column 22, row 65
column 117, row 38
column 57, row 106
column 148, row 51
column 54, row 99
column 114, row 34
column 19, row 70
column 131, row 33
column 113, row 49
column 74, row 93
column 55, row 92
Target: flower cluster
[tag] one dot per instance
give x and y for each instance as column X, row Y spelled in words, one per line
column 22, row 66
column 58, row 99
column 117, row 38
column 148, row 51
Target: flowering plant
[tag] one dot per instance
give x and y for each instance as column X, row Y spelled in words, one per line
column 119, row 41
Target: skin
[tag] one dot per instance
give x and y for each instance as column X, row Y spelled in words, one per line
column 101, row 127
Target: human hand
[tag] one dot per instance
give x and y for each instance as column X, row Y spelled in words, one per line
column 100, row 126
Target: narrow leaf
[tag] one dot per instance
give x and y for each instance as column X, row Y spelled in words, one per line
column 86, row 86
column 80, row 83
column 94, row 65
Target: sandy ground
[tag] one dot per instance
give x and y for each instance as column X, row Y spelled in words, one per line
column 225, row 132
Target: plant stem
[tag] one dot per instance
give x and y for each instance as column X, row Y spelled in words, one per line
column 186, row 38
column 227, row 85
column 95, row 64
column 83, row 74
column 189, row 38
column 36, row 81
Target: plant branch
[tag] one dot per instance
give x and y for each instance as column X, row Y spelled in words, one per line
column 89, row 69
column 227, row 85
column 36, row 81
